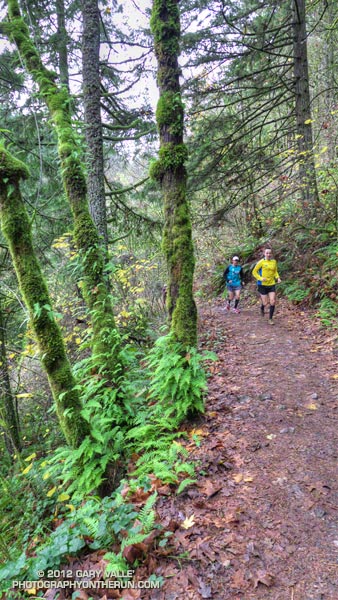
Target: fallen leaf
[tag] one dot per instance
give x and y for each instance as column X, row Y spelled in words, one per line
column 134, row 552
column 311, row 406
column 238, row 478
column 263, row 577
column 238, row 580
column 200, row 432
column 209, row 488
column 188, row 522
column 205, row 590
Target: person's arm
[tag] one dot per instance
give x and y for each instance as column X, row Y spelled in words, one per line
column 255, row 272
column 225, row 274
column 278, row 279
column 241, row 274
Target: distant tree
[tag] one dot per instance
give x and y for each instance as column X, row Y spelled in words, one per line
column 62, row 42
column 303, row 112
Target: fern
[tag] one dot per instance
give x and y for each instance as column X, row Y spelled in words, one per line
column 116, row 563
column 178, row 381
column 185, row 468
column 147, row 514
column 184, row 484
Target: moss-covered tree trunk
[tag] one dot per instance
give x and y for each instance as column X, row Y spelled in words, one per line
column 106, row 341
column 171, row 172
column 8, row 411
column 92, row 114
column 16, row 229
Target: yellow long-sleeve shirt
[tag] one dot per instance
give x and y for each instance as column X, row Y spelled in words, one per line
column 266, row 269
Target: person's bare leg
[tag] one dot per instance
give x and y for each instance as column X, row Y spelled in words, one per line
column 237, row 297
column 264, row 303
column 272, row 301
column 229, row 299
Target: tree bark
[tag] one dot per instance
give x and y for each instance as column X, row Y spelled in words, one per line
column 307, row 171
column 92, row 112
column 16, row 229
column 8, row 411
column 106, row 340
column 170, row 171
column 62, row 37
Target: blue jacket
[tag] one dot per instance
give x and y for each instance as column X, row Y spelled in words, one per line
column 234, row 275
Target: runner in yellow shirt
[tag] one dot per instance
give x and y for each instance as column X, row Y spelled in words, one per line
column 266, row 274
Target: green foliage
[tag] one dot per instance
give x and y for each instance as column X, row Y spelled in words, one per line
column 85, row 468
column 136, row 534
column 295, row 291
column 327, row 312
column 179, row 381
column 92, row 524
column 162, row 456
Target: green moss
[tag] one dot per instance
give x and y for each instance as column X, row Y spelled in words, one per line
column 169, row 112
column 165, row 26
column 11, row 168
column 171, row 158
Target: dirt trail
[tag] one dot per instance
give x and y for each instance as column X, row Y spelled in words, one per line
column 265, row 506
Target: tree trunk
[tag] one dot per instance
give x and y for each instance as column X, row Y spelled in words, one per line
column 106, row 340
column 62, row 42
column 8, row 412
column 170, row 171
column 92, row 112
column 307, row 171
column 16, row 229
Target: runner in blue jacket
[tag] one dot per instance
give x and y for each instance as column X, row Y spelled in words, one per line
column 234, row 281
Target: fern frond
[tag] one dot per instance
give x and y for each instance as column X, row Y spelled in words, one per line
column 184, row 484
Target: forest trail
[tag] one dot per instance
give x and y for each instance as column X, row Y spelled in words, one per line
column 265, row 508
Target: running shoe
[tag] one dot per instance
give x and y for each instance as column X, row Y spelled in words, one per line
column 271, row 322
column 236, row 310
column 227, row 307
